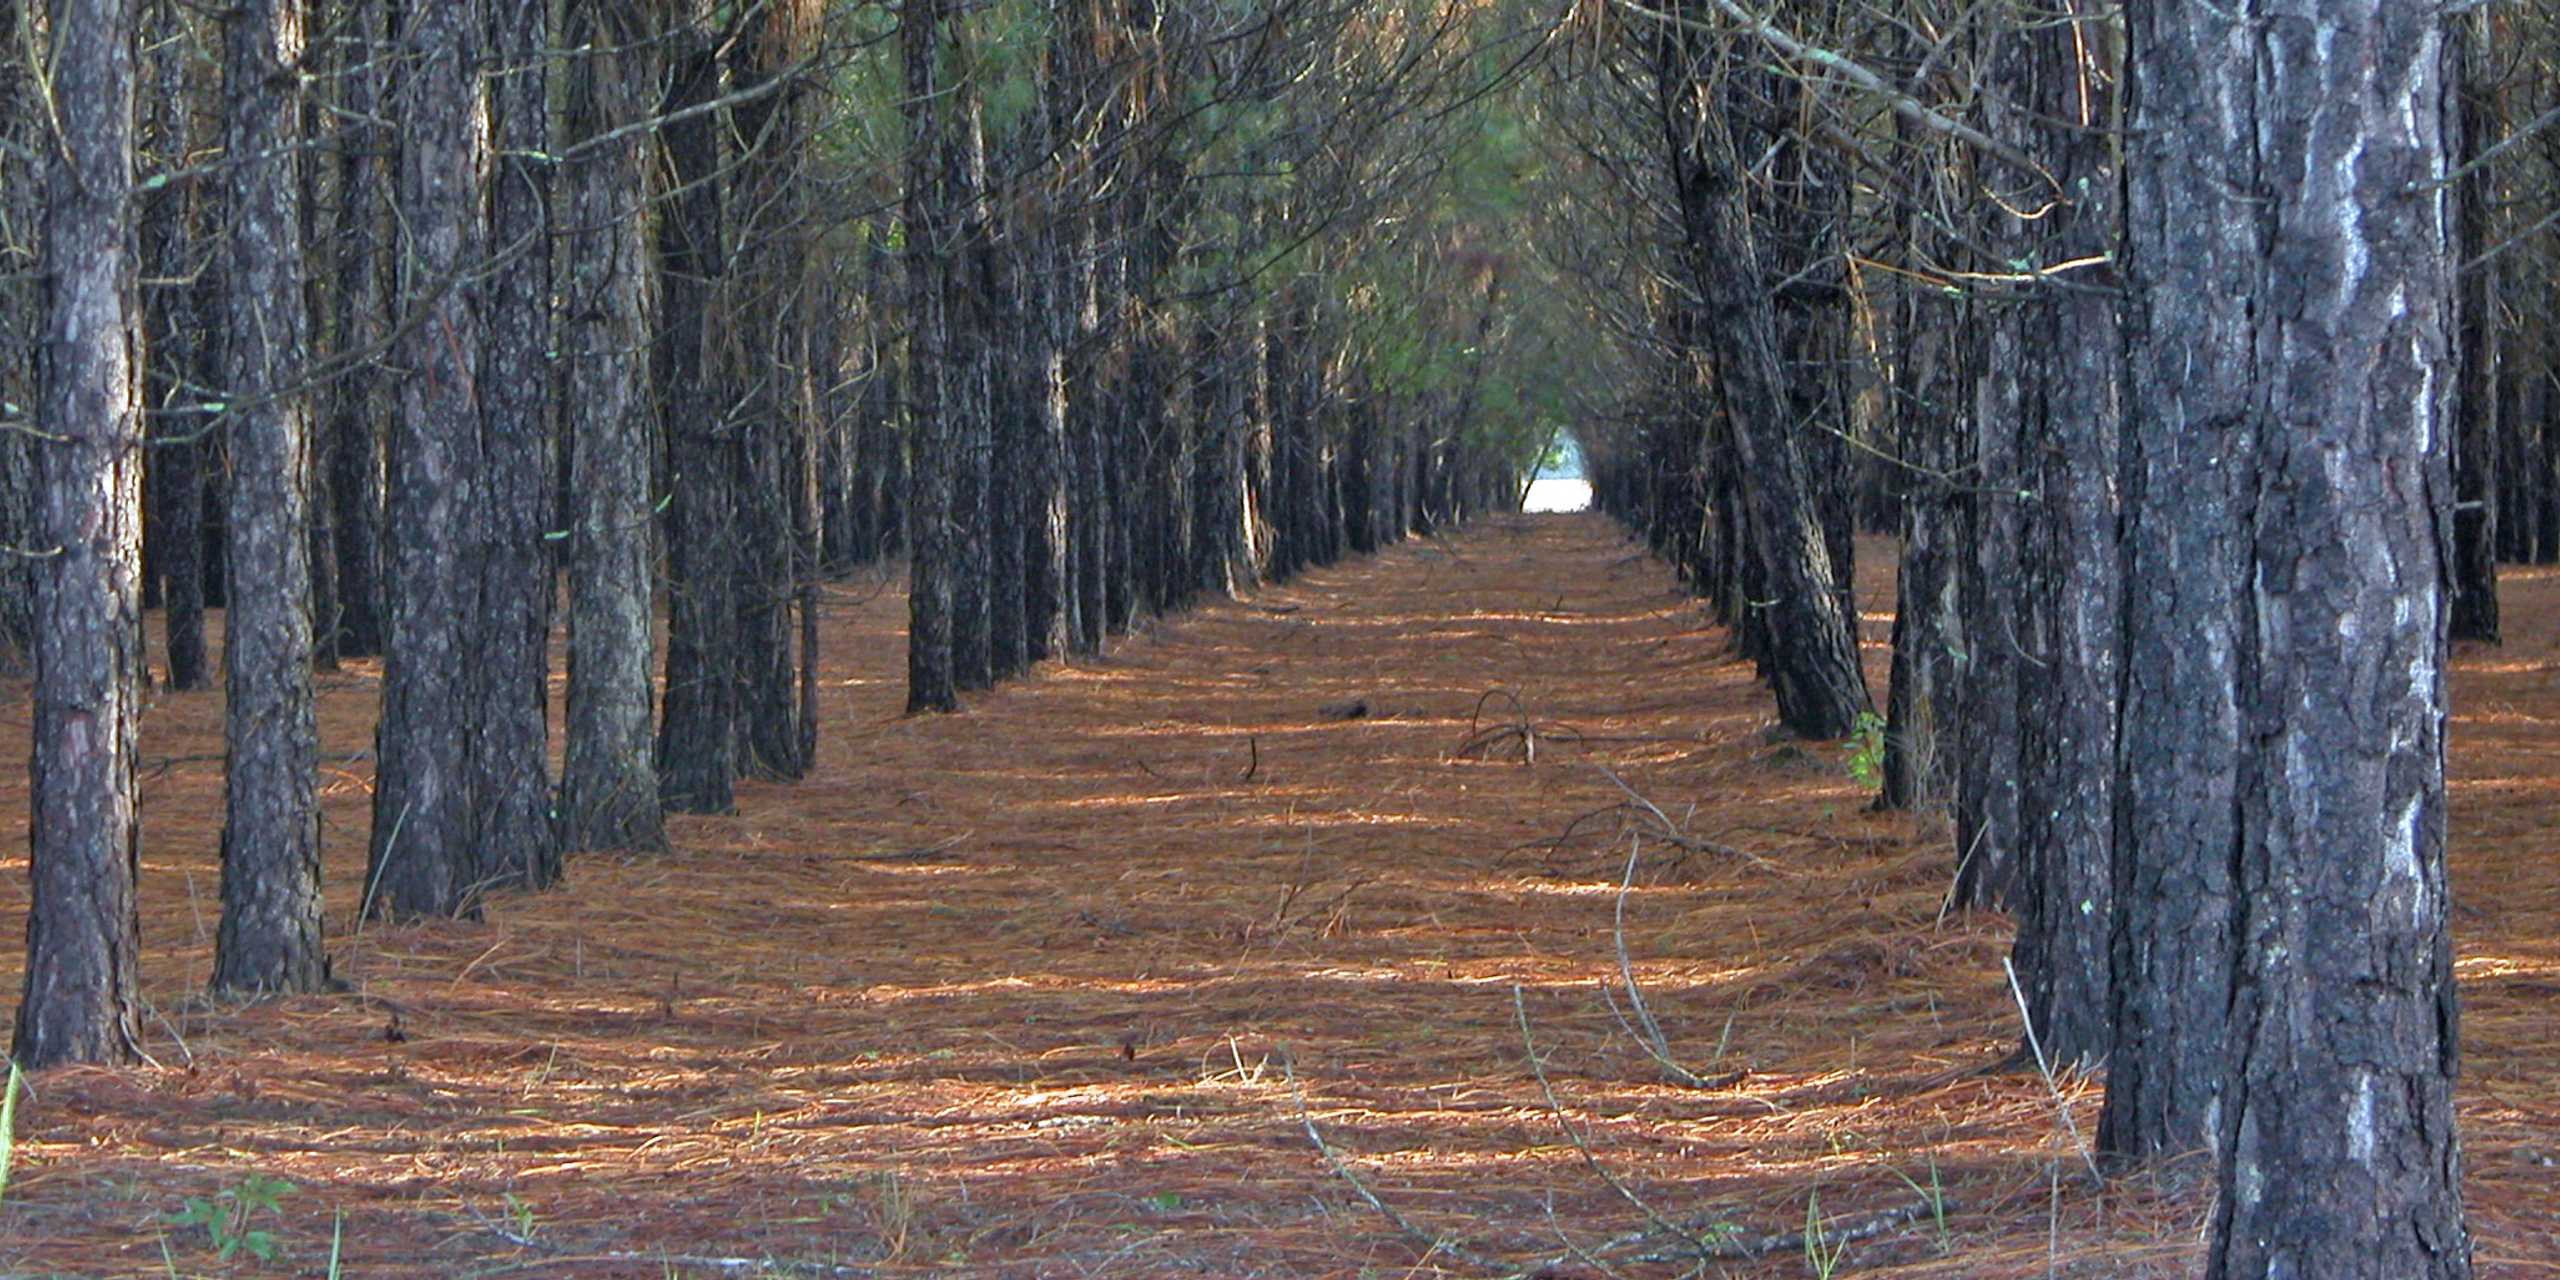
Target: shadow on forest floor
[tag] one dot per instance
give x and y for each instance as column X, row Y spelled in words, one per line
column 1042, row 988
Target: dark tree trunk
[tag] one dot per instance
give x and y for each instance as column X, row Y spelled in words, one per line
column 971, row 370
column 1049, row 546
column 312, row 176
column 1010, row 429
column 79, row 1002
column 2193, row 413
column 697, row 736
column 425, row 845
column 608, row 776
column 768, row 371
column 932, row 227
column 2476, row 425
column 1991, row 596
column 2070, row 597
column 1922, row 701
column 1813, row 662
column 510, row 750
column 21, row 319
column 360, row 402
column 173, row 354
column 1222, row 556
column 270, row 935
column 2336, row 1131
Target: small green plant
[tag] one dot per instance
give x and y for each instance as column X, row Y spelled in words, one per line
column 1935, row 1196
column 9, row 1128
column 1865, row 750
column 1821, row 1255
column 520, row 1215
column 226, row 1216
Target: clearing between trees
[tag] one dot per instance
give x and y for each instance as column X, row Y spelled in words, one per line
column 1077, row 983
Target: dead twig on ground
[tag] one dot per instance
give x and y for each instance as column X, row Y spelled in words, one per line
column 1645, row 1031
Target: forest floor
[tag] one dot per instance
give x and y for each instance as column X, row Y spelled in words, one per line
column 1069, row 984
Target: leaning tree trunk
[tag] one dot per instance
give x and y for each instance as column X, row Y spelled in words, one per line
column 1813, row 662
column 425, row 847
column 79, row 1002
column 510, row 749
column 608, row 774
column 270, row 935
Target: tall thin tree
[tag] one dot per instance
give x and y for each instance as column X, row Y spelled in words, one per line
column 270, row 935
column 608, row 776
column 79, row 1002
column 424, row 858
column 510, row 737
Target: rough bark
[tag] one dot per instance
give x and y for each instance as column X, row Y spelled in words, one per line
column 1048, row 553
column 173, row 351
column 767, row 370
column 931, row 228
column 971, row 353
column 359, row 400
column 697, row 731
column 79, row 1001
column 21, row 184
column 2336, row 1135
column 1921, row 701
column 608, row 775
column 269, row 940
column 2477, row 425
column 425, row 844
column 2189, row 478
column 2064, row 73
column 1813, row 659
column 511, row 729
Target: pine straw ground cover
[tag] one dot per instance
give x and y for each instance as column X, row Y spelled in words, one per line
column 1057, row 987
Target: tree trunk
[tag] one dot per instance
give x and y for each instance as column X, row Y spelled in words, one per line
column 2336, row 1134
column 21, row 319
column 1048, row 470
column 1922, row 725
column 608, row 776
column 270, row 935
column 360, row 403
column 1013, row 360
column 931, row 229
column 1813, row 664
column 2070, row 597
column 2476, row 425
column 697, row 735
column 2193, row 414
column 510, row 750
column 173, row 354
column 79, row 1002
column 970, row 338
column 425, row 845
column 767, row 369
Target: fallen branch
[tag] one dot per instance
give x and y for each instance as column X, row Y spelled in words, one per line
column 1435, row 1244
